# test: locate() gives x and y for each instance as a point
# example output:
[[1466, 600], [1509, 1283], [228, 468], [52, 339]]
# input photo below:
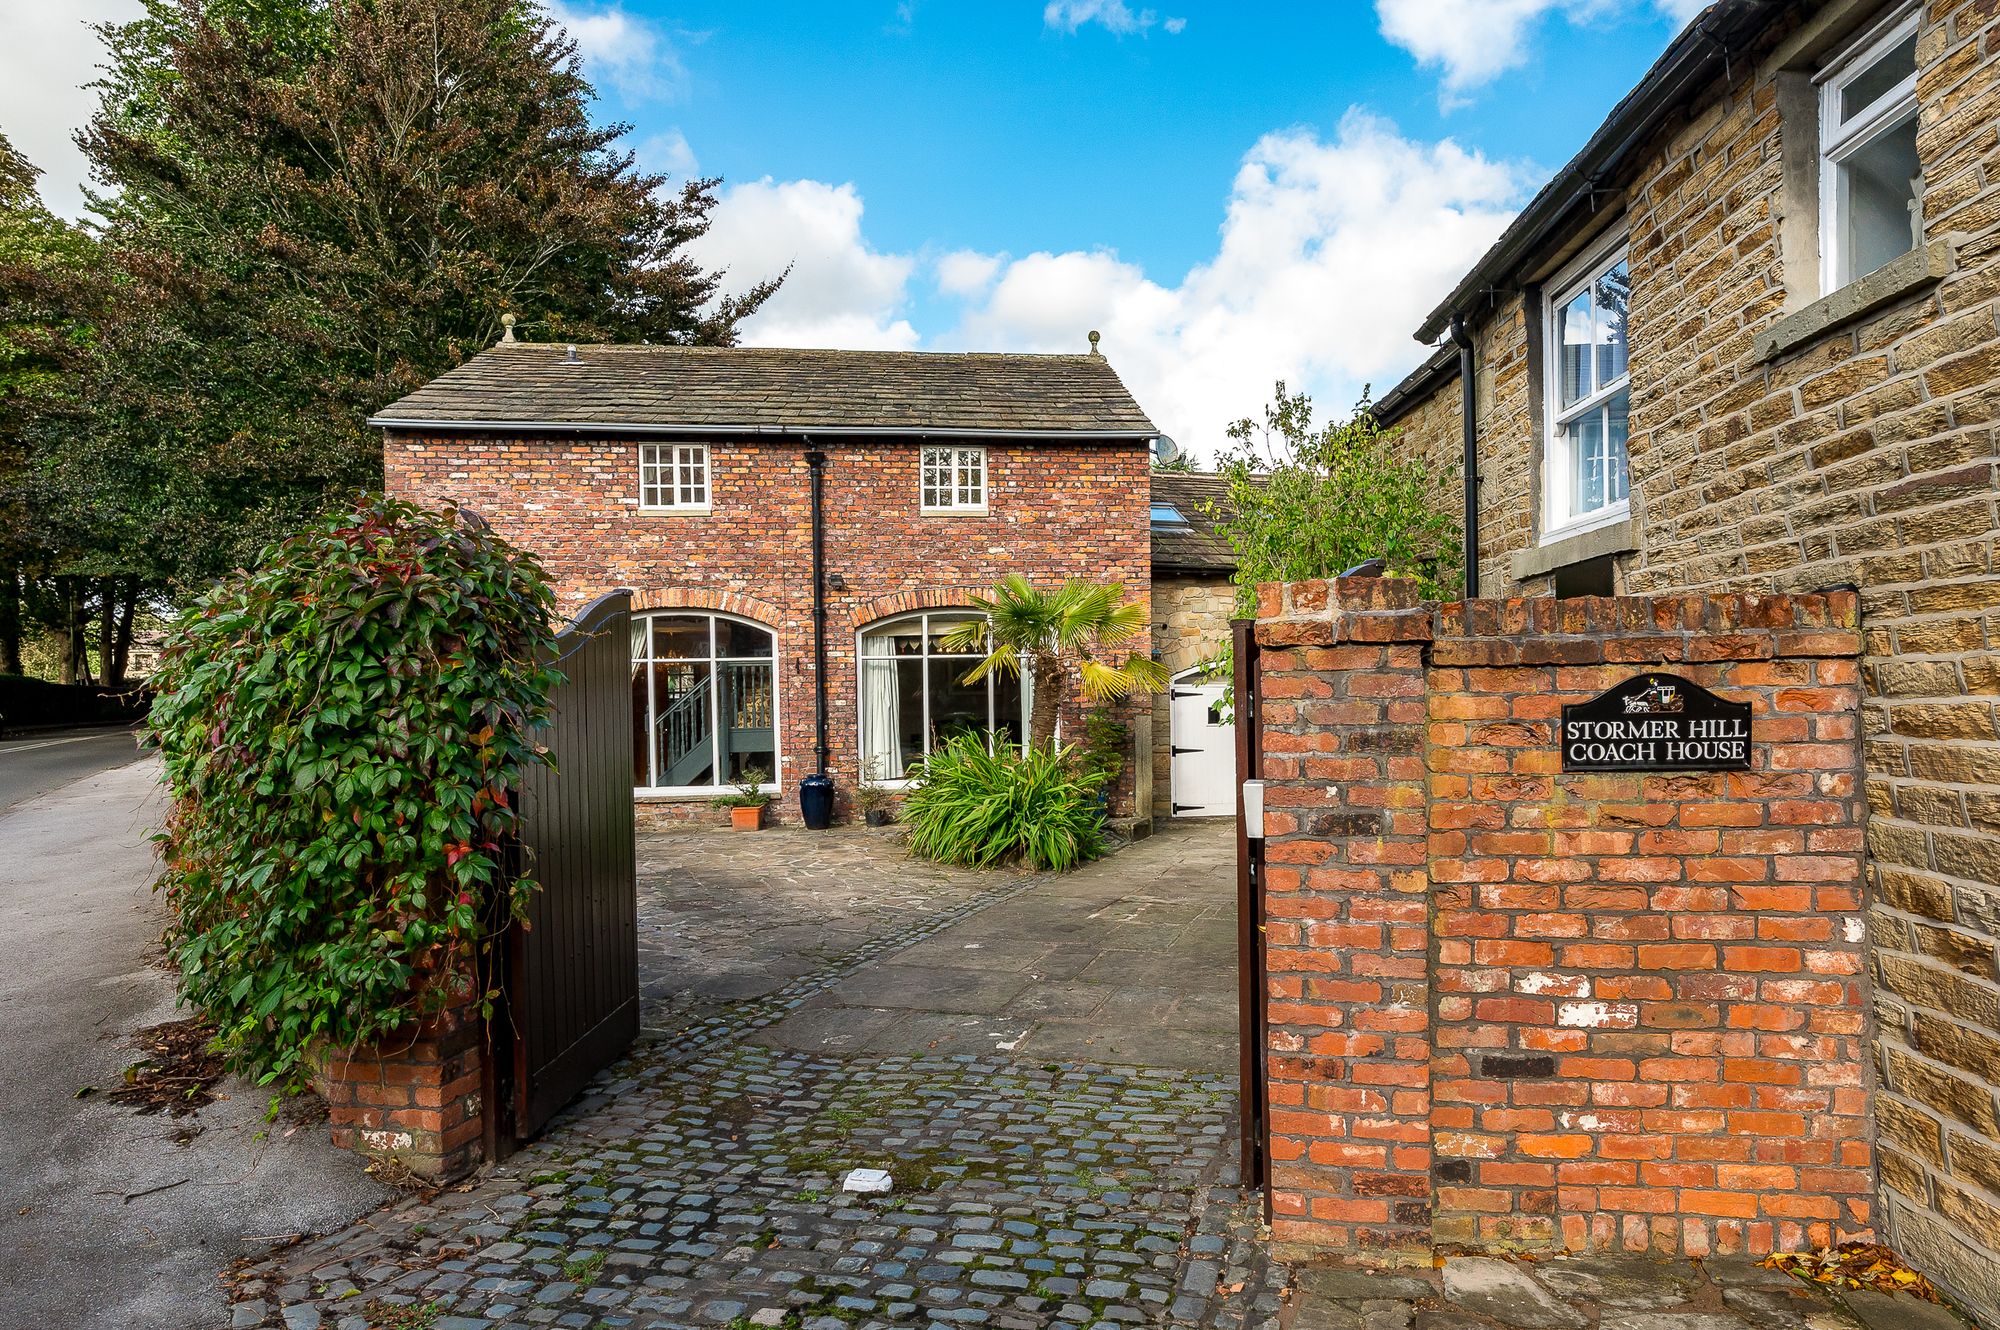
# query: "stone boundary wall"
[[1516, 1008]]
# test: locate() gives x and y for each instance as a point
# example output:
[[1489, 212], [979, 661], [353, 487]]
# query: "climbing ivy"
[[342, 727]]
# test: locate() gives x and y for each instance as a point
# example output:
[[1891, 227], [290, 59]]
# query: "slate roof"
[[1194, 547], [767, 389]]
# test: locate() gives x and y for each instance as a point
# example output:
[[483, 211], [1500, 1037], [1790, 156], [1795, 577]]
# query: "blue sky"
[[1232, 192]]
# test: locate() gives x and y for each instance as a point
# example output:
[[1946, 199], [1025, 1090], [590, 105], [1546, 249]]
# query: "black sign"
[[1656, 722]]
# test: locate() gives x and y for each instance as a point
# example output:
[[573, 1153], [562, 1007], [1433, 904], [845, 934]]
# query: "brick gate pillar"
[[1511, 1006], [1348, 1060]]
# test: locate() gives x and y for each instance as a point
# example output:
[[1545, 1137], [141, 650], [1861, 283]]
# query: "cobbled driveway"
[[1042, 1064]]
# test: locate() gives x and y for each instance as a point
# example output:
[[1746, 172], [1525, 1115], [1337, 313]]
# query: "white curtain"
[[881, 710]]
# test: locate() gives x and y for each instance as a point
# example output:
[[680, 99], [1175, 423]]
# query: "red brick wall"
[[414, 1096], [1053, 511], [1638, 1017]]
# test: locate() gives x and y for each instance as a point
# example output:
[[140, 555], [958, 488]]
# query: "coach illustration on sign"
[[1656, 722]]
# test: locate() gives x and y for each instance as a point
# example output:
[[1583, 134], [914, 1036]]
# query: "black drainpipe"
[[1468, 407], [816, 790]]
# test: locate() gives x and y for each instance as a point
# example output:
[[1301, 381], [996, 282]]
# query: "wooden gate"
[[571, 990]]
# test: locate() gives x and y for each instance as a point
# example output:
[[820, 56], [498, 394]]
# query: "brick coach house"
[[686, 474], [1746, 342]]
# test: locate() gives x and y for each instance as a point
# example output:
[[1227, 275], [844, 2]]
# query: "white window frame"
[[1838, 142], [1559, 518], [775, 785], [1021, 684], [674, 478], [954, 465]]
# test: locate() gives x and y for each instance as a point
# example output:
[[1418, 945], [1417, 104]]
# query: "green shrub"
[[342, 727], [979, 809]]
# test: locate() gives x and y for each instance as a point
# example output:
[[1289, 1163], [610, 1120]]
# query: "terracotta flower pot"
[[747, 818]]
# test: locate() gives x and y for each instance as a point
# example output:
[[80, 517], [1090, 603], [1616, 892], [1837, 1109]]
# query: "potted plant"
[[874, 797], [746, 806]]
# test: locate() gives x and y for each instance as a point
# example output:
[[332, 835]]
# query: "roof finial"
[[1093, 343], [507, 322]]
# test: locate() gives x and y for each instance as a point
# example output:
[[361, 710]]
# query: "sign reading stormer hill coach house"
[[1656, 722]]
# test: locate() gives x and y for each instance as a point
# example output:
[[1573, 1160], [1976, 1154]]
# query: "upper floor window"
[[1167, 515], [673, 475], [954, 480], [1871, 183], [1584, 477]]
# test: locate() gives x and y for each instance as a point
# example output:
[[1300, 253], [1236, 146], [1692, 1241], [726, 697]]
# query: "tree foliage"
[[317, 206], [1310, 501], [1067, 638], [342, 727]]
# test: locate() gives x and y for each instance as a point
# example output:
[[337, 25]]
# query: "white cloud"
[[1115, 15], [1473, 42], [1331, 253], [50, 54], [669, 153], [1176, 26], [840, 292], [631, 55], [966, 273]]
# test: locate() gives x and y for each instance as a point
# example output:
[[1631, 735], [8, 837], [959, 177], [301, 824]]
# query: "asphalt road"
[[41, 763], [106, 1219]]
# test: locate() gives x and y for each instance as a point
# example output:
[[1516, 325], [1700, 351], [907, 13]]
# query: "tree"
[[1065, 639], [318, 205], [1309, 502], [50, 295]]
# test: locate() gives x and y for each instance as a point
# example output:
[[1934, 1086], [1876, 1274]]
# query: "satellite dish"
[[1165, 450]]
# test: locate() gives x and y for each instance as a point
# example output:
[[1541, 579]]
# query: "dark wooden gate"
[[571, 992], [1253, 1032]]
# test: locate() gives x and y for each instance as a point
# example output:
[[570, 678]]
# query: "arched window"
[[704, 702], [913, 694]]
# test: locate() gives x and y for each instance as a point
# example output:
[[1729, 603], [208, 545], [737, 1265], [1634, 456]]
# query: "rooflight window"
[[1871, 182], [1165, 514]]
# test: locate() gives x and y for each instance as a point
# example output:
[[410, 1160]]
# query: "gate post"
[[1340, 712]]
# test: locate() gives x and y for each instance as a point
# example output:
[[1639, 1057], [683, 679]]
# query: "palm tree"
[[1066, 638]]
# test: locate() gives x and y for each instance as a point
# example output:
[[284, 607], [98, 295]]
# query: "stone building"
[[1746, 342], [688, 475]]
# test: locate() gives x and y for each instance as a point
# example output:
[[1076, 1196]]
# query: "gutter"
[[1703, 49], [757, 431]]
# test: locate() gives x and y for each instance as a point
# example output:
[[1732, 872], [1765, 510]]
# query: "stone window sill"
[[1889, 283], [1611, 538]]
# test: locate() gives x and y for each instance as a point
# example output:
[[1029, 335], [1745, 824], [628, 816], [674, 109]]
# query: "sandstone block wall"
[[1864, 456], [1516, 1008]]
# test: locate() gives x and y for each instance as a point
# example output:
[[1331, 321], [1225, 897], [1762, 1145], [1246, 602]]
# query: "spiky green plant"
[[1067, 638], [980, 808]]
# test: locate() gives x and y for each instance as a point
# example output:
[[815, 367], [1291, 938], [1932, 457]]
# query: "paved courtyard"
[[1044, 1065]]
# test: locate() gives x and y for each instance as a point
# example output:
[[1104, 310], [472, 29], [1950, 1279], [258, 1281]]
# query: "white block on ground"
[[867, 1181]]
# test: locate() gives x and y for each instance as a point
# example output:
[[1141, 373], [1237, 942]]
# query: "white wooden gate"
[[1204, 749]]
